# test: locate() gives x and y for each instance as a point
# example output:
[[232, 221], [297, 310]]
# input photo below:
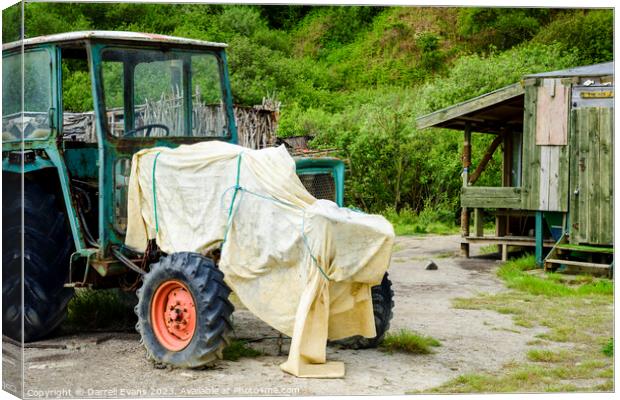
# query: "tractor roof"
[[134, 37]]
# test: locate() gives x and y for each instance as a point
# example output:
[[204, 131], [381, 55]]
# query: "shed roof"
[[488, 113], [501, 108], [602, 69], [109, 35]]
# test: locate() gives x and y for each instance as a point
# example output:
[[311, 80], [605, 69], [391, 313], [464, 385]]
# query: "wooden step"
[[579, 263], [585, 249]]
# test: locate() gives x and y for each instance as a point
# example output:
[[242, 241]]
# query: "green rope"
[[155, 194], [234, 197], [303, 235], [231, 211]]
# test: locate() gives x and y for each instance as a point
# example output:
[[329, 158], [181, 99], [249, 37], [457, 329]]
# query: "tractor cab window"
[[154, 93], [33, 120]]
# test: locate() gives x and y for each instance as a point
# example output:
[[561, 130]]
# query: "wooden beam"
[[466, 159], [486, 158], [522, 241], [496, 202], [491, 191], [579, 263]]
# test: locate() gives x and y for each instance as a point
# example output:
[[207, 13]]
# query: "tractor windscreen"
[[33, 120], [150, 93]]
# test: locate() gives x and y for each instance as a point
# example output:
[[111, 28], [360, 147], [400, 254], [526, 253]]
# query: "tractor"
[[65, 185]]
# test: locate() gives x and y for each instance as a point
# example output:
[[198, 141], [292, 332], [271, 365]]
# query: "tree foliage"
[[356, 78]]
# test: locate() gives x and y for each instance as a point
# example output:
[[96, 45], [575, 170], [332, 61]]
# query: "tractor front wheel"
[[183, 311]]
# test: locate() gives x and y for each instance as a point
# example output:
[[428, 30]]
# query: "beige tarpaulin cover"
[[281, 244]]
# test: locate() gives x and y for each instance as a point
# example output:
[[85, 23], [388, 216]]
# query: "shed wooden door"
[[591, 177]]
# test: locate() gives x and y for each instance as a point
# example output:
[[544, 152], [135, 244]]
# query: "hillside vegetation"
[[357, 77]]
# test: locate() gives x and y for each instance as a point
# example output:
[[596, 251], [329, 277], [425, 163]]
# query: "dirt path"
[[113, 364]]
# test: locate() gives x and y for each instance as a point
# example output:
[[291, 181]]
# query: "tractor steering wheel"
[[149, 128]]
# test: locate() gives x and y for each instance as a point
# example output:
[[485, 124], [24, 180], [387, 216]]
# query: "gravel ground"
[[113, 364]]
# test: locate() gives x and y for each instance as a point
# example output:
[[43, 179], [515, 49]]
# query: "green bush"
[[501, 28], [429, 221], [588, 32], [432, 57], [474, 75]]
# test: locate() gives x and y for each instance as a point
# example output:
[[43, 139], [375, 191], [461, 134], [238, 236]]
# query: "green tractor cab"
[[70, 179]]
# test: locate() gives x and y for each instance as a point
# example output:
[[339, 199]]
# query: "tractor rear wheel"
[[382, 304], [183, 311], [47, 246]]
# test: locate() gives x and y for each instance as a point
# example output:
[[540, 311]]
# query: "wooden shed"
[[555, 131]]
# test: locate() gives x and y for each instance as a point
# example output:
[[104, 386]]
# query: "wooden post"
[[465, 249], [478, 223], [507, 159], [539, 238], [466, 159], [466, 154], [504, 252], [502, 222]]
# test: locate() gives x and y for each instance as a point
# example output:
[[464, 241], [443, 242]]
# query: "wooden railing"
[[490, 197]]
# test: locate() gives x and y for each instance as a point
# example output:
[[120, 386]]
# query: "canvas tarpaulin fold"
[[302, 265]]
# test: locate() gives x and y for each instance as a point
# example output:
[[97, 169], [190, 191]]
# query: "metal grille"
[[321, 186]]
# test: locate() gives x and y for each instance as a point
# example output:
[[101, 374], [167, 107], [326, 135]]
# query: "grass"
[[492, 248], [577, 313], [488, 249], [527, 378], [99, 309], [608, 348], [544, 355], [397, 247], [411, 229], [407, 223], [512, 272], [239, 349], [407, 341]]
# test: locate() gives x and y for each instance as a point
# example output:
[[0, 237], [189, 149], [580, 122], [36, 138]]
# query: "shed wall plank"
[[583, 123], [575, 125], [550, 188], [607, 178], [592, 208], [593, 169], [553, 182], [545, 155], [552, 113], [563, 178], [531, 153], [606, 183]]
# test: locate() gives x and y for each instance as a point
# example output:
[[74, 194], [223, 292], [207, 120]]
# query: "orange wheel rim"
[[173, 315]]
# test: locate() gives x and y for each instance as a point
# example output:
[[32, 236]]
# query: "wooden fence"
[[256, 126]]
